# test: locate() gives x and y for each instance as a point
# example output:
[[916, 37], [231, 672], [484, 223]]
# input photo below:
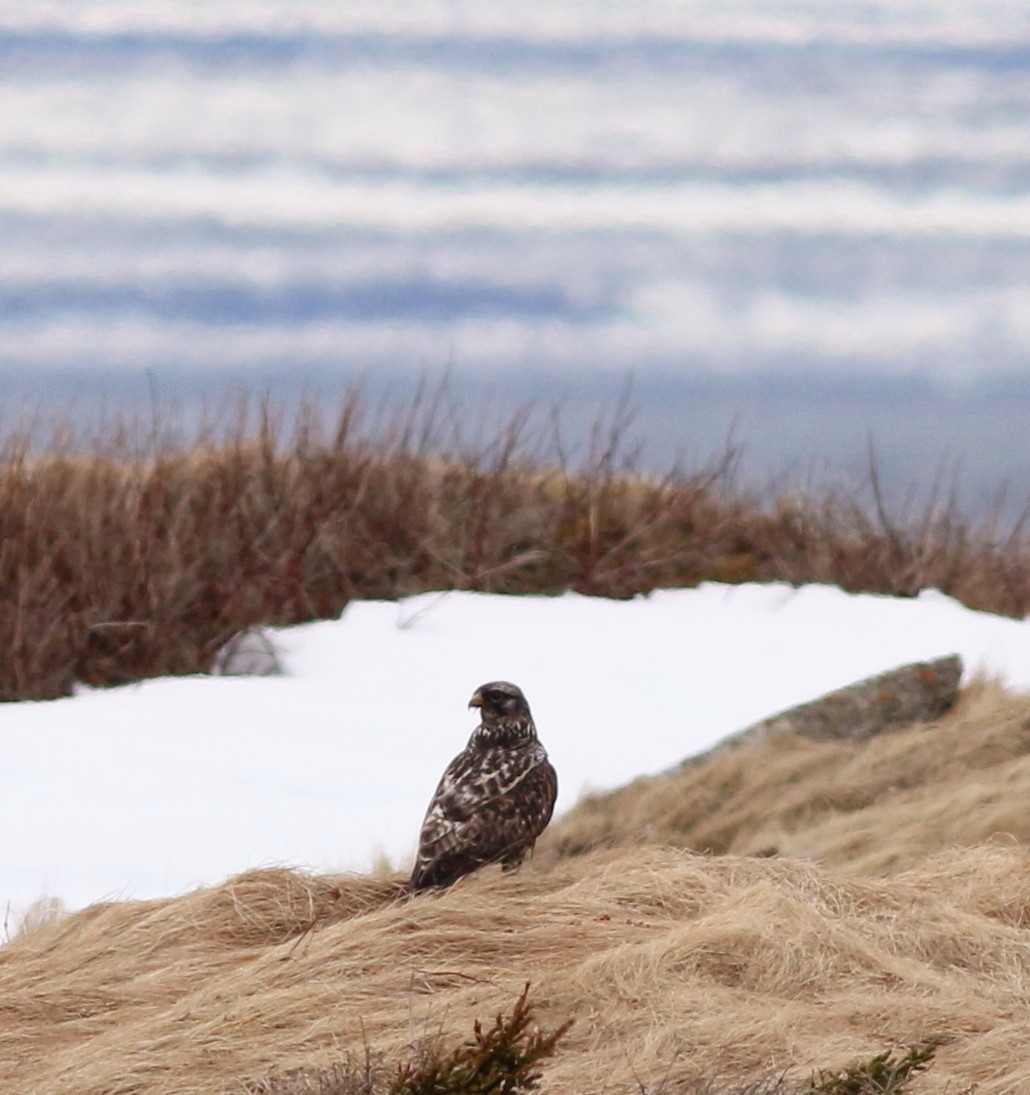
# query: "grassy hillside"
[[873, 809], [854, 899], [136, 555]]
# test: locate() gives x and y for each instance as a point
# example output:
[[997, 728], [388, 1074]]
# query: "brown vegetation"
[[497, 1060], [874, 808], [677, 969], [899, 921], [123, 559]]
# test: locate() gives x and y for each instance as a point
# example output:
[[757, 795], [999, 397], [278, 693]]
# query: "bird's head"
[[500, 700]]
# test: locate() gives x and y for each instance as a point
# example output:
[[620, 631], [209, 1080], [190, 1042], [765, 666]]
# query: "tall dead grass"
[[136, 555]]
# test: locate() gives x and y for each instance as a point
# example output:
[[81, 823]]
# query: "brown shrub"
[[122, 559]]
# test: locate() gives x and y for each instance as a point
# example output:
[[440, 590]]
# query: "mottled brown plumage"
[[494, 799]]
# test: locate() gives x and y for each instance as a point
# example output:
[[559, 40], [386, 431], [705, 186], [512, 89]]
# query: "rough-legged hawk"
[[494, 799]]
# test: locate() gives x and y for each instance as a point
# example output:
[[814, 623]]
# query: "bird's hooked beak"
[[477, 699]]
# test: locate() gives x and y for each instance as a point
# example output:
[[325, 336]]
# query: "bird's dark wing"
[[490, 805]]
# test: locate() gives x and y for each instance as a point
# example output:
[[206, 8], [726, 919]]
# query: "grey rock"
[[919, 692], [249, 653]]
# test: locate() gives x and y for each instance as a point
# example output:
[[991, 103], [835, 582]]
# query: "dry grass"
[[126, 557], [684, 973], [872, 808], [677, 968]]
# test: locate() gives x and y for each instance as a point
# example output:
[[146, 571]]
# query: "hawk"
[[494, 799]]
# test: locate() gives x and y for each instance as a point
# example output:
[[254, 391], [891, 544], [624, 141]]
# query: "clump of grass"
[[499, 1060], [887, 1073], [122, 559], [505, 1060], [502, 1059]]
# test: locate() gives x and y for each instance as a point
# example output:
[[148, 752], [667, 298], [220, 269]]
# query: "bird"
[[494, 799]]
